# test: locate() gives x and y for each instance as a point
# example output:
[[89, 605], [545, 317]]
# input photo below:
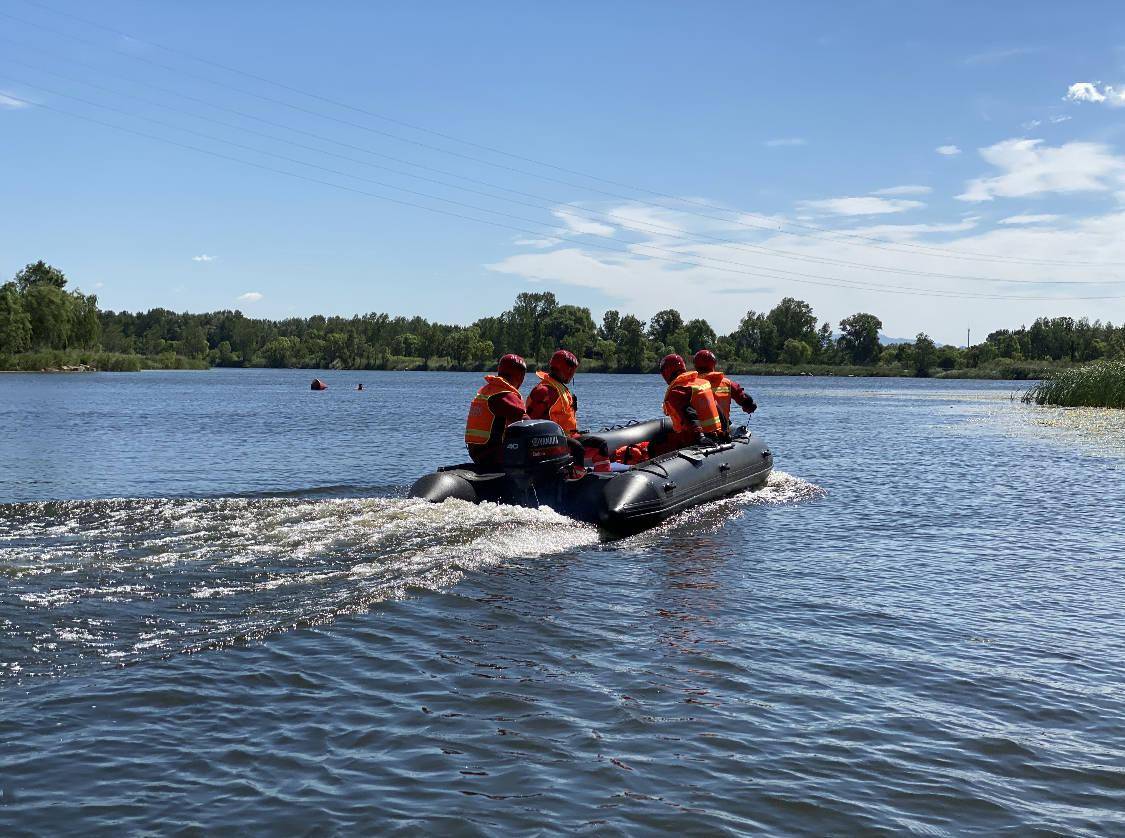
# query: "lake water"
[[218, 612]]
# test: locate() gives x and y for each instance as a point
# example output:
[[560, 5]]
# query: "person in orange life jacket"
[[690, 404], [724, 389], [495, 406], [551, 399]]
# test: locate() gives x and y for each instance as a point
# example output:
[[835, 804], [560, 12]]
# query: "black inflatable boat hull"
[[641, 497]]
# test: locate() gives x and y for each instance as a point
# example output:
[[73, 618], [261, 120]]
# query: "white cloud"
[[755, 268], [203, 257], [11, 103], [861, 205], [948, 150], [1030, 124], [907, 189], [1030, 168], [1040, 218], [580, 225], [1096, 92], [1055, 120], [250, 297], [99, 285], [783, 142]]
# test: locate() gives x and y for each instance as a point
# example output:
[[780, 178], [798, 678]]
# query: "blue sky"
[[739, 152]]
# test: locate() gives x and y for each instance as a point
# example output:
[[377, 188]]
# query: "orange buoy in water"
[[317, 384]]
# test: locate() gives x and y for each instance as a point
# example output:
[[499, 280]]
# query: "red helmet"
[[563, 364], [705, 360], [671, 366], [513, 368]]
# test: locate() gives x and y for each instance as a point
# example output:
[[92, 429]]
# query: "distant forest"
[[42, 324]]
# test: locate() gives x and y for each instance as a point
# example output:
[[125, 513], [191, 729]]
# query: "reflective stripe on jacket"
[[702, 401], [562, 411], [720, 387], [478, 426]]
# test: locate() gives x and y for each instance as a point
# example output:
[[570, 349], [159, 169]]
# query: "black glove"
[[751, 407], [574, 398]]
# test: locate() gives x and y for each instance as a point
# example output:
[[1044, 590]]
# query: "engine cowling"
[[536, 449]]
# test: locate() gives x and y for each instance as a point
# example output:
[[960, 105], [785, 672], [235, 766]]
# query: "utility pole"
[[968, 337]]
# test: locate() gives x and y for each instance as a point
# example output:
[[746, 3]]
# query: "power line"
[[551, 204], [882, 244], [835, 283]]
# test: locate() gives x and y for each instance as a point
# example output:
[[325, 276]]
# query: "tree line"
[[38, 313]]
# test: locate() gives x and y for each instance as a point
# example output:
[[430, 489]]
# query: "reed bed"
[[1101, 384]]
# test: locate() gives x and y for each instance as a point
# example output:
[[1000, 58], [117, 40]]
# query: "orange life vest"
[[562, 411], [702, 399], [478, 427], [720, 387]]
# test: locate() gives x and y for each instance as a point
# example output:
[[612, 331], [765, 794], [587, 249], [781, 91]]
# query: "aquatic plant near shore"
[[1101, 384]]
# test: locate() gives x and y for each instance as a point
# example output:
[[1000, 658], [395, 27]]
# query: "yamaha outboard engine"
[[535, 454]]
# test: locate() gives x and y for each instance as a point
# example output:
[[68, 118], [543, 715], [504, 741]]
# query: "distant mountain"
[[886, 341]]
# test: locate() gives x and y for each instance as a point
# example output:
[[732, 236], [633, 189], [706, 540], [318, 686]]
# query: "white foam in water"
[[258, 565]]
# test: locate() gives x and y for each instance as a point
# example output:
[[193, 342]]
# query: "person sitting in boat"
[[724, 389], [690, 404], [551, 399], [495, 406]]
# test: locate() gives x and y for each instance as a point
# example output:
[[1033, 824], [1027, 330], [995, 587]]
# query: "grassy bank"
[[53, 360], [1002, 369], [1096, 385]]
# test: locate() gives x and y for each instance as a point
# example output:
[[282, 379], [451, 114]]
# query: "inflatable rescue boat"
[[627, 498]]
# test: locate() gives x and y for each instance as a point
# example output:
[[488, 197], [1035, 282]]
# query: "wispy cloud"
[[906, 189], [783, 142], [11, 103], [860, 205], [948, 150], [1055, 120], [1030, 168], [249, 297], [994, 56], [1041, 218], [1030, 124], [584, 226], [719, 280], [1097, 93], [203, 257]]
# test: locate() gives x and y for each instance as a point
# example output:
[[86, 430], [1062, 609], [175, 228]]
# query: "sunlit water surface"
[[218, 610]]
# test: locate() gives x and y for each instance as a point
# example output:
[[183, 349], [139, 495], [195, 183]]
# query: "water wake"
[[113, 581]]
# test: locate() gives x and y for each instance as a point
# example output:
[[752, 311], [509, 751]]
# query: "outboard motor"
[[535, 454]]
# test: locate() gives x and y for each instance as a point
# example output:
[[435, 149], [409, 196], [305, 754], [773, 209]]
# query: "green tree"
[[152, 343], [925, 355], [796, 352], [631, 344], [281, 352], [700, 335], [570, 327], [86, 327], [526, 322], [859, 340], [50, 309], [663, 325], [824, 350], [40, 273], [15, 323], [607, 351], [610, 321], [756, 338], [194, 342], [793, 319]]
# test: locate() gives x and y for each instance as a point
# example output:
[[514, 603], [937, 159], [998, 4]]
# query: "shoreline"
[[772, 372]]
